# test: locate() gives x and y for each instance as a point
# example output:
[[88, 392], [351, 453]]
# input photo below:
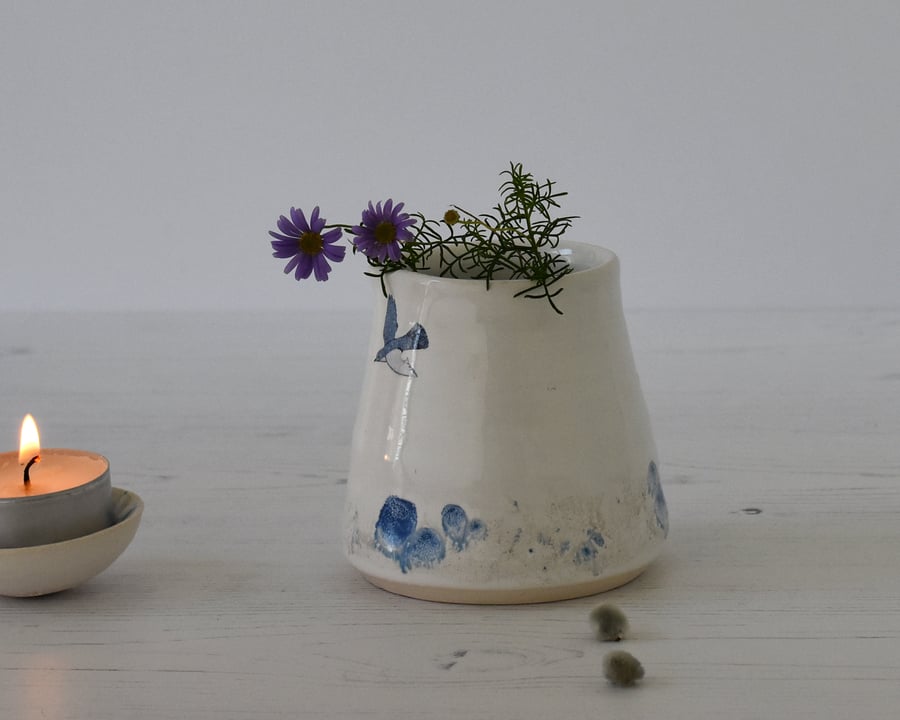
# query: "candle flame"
[[29, 441]]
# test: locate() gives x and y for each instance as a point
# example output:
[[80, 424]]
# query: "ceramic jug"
[[502, 452]]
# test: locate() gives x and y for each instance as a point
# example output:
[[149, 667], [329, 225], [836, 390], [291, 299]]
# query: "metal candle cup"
[[68, 496]]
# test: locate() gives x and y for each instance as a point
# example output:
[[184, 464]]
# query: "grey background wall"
[[734, 154]]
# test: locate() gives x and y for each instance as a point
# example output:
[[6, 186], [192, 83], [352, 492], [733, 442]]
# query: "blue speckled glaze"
[[654, 488], [456, 525], [589, 550], [424, 549], [396, 522], [396, 535], [585, 552], [477, 530]]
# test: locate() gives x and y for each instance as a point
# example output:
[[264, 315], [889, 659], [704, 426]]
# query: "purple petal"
[[394, 251], [283, 238], [364, 243], [315, 222], [281, 246], [322, 268], [292, 264], [304, 266], [287, 227], [388, 206], [331, 236], [299, 220], [334, 252]]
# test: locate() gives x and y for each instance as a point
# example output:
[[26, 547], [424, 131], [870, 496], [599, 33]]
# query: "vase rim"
[[589, 258]]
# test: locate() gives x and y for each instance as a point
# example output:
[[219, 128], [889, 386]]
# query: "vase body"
[[502, 452]]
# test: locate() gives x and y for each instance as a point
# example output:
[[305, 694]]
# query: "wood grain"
[[777, 595]]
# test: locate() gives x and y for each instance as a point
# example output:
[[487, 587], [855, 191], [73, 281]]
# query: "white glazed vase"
[[502, 453]]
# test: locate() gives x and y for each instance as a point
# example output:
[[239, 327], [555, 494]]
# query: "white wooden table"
[[778, 595]]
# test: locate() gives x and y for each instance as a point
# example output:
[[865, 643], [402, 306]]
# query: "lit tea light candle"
[[51, 495]]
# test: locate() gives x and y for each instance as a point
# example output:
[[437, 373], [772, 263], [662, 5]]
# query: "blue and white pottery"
[[502, 453]]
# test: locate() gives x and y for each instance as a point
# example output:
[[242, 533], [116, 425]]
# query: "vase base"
[[505, 596]]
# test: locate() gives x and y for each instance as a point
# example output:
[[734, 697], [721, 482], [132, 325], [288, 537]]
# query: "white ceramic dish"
[[45, 569]]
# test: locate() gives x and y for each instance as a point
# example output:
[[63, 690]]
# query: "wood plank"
[[777, 595]]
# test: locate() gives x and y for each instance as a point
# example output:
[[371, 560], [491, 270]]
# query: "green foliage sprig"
[[517, 240]]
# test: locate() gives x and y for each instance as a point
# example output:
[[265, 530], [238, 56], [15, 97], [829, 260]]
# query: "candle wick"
[[35, 459]]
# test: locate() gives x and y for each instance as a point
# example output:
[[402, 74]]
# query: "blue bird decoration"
[[394, 351]]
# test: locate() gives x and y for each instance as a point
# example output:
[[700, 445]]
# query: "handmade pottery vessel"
[[502, 452]]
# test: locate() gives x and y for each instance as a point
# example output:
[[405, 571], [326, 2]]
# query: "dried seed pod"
[[609, 622], [622, 668]]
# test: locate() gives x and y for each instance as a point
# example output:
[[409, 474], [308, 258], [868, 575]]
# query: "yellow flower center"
[[310, 243], [385, 233]]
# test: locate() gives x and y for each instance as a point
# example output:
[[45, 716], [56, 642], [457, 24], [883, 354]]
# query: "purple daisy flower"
[[381, 231], [308, 248]]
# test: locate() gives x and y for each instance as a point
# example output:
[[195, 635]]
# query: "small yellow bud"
[[451, 217]]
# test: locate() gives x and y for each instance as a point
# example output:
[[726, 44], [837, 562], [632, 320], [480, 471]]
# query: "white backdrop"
[[732, 154]]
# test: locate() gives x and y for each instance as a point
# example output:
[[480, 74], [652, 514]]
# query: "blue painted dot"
[[456, 525], [424, 549], [396, 522], [585, 553], [654, 487], [596, 537], [477, 529]]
